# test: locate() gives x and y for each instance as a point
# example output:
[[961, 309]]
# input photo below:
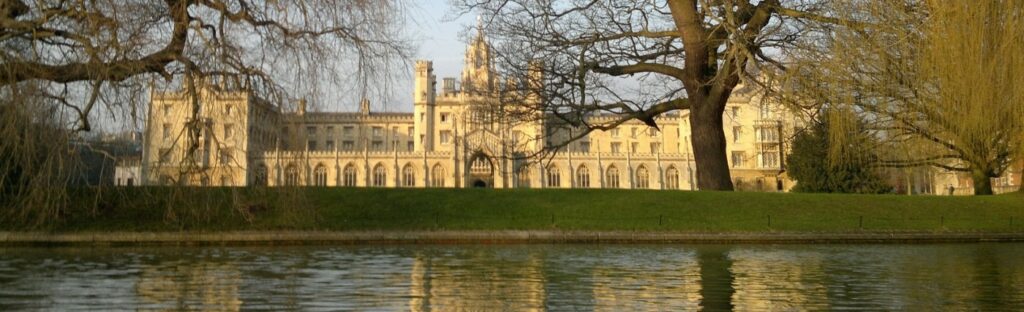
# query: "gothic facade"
[[447, 141]]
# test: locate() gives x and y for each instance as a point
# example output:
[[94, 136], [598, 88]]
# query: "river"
[[516, 277]]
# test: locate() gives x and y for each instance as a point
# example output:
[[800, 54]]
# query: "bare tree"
[[68, 60], [938, 82], [684, 54]]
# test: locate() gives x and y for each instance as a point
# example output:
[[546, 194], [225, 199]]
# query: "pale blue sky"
[[440, 38]]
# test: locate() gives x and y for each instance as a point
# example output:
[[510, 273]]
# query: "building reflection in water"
[[200, 285], [773, 280], [475, 279], [522, 278]]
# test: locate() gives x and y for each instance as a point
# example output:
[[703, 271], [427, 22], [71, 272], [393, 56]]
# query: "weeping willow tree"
[[938, 83]]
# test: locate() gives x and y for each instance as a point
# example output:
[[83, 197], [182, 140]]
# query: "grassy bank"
[[340, 209]]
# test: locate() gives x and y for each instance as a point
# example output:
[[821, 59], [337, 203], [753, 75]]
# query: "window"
[[291, 176], [377, 131], [655, 148], [768, 135], [737, 159], [165, 155], [167, 110], [311, 145], [167, 131], [411, 131], [349, 176], [225, 181], [409, 146], [225, 157], [131, 182], [652, 132], [408, 176], [228, 109], [444, 117], [348, 145], [642, 177], [766, 112], [770, 159], [583, 177], [380, 175], [320, 176], [377, 145], [585, 147], [347, 130], [615, 132], [229, 131], [612, 177], [330, 145], [260, 178], [524, 177], [616, 147], [437, 176], [736, 131], [632, 132], [446, 136], [554, 177], [634, 147], [672, 178], [735, 112], [311, 130]]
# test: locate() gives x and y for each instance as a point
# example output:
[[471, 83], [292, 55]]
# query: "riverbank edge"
[[486, 237]]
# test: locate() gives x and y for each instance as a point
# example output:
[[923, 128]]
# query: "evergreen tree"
[[810, 164]]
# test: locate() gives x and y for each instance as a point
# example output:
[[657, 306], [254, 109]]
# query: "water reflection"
[[520, 278]]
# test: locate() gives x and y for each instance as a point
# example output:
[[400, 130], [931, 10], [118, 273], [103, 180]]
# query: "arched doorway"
[[481, 170]]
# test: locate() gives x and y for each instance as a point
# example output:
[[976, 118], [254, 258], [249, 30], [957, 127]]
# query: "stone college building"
[[450, 139]]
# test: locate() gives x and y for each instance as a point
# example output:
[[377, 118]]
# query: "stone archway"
[[481, 171]]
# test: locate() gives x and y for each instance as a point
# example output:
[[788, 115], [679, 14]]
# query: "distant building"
[[452, 138], [128, 171]]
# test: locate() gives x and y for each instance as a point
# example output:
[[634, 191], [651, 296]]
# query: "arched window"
[[642, 177], [260, 177], [583, 177], [611, 177], [349, 176], [380, 175], [320, 176], [437, 176], [524, 177], [291, 176], [554, 177], [408, 176], [672, 178]]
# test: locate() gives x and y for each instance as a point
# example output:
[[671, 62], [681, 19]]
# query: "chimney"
[[449, 85]]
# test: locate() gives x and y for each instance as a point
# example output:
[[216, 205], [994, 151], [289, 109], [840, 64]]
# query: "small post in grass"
[[660, 217]]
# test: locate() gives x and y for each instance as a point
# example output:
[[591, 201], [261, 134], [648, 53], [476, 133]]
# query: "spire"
[[364, 106], [477, 73]]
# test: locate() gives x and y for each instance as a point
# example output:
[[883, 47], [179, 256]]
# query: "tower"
[[478, 72], [423, 106]]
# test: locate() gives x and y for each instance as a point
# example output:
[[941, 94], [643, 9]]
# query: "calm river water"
[[517, 277]]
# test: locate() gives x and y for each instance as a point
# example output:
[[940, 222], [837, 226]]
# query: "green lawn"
[[343, 209]]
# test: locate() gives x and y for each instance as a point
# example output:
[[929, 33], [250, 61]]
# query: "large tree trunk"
[[982, 182], [709, 146]]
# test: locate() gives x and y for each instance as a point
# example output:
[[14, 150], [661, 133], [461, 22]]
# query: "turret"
[[423, 106]]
